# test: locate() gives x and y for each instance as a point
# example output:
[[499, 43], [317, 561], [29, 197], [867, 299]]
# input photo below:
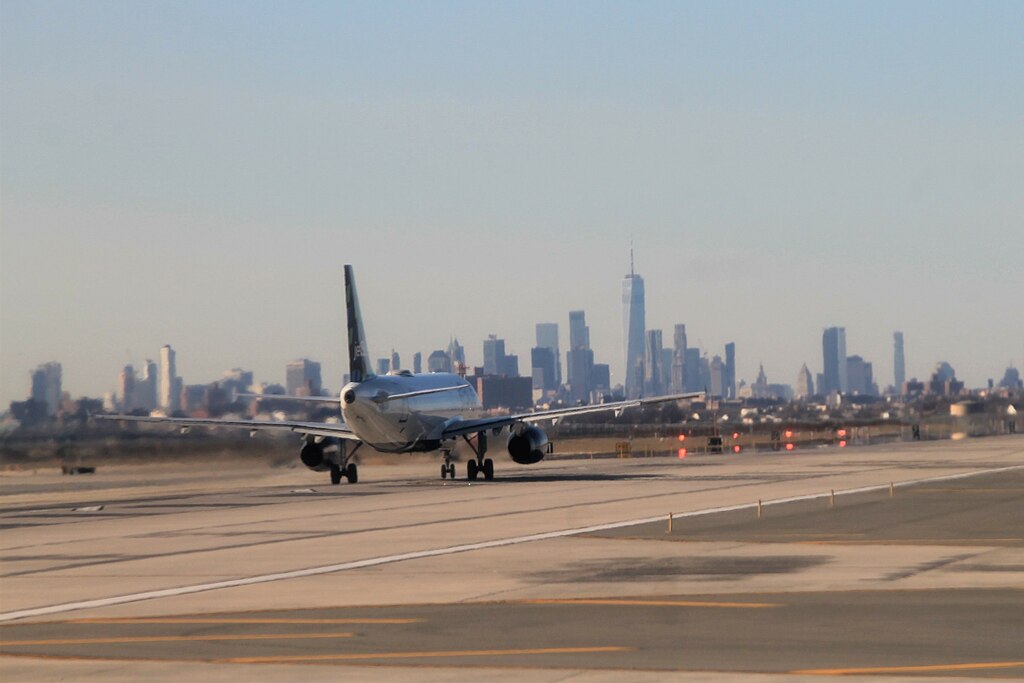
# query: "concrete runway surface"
[[914, 568]]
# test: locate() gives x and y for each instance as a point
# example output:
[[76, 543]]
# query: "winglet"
[[358, 353]]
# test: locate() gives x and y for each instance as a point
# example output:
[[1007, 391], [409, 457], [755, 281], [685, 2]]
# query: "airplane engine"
[[527, 446], [312, 456]]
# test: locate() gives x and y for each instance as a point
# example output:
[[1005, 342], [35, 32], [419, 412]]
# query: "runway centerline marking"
[[969, 666], [651, 603], [219, 620], [451, 550], [354, 656], [170, 639]]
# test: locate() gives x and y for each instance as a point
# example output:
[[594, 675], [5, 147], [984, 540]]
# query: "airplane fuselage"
[[410, 424]]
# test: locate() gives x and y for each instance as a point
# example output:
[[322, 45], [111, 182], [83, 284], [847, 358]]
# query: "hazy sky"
[[197, 174]]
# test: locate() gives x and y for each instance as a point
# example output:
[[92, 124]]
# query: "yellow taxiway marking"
[[419, 655], [911, 669], [653, 603], [170, 639], [225, 620]]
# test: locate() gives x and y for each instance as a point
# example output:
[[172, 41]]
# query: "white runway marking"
[[451, 550]]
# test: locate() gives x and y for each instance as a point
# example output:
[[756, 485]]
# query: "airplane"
[[402, 412]]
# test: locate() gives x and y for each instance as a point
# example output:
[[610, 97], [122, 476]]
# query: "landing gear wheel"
[[451, 470], [444, 471], [488, 469], [335, 473], [351, 473], [471, 469]]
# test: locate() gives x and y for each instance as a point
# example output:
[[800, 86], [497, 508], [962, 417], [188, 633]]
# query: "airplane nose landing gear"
[[447, 467]]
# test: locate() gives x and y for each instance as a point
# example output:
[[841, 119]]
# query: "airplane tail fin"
[[358, 353]]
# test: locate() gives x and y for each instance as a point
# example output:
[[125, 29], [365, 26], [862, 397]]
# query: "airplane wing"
[[324, 429], [461, 427], [302, 399]]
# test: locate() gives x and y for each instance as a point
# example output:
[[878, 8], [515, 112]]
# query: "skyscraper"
[[678, 384], [730, 370], [898, 362], [46, 386], [634, 324], [547, 337], [579, 333], [833, 349], [652, 364], [717, 368], [126, 387], [146, 388], [804, 382], [170, 385], [542, 368], [494, 355], [579, 359], [396, 360], [417, 362], [302, 378]]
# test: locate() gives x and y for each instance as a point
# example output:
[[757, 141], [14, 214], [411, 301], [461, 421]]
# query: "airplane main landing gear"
[[479, 465], [344, 468], [447, 467]]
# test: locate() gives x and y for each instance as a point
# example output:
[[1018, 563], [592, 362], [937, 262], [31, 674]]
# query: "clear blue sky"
[[197, 173]]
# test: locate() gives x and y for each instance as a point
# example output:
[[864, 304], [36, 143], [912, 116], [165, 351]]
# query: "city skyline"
[[191, 177]]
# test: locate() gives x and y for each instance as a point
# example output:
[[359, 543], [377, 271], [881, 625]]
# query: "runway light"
[[789, 433], [842, 444], [735, 435], [682, 437], [682, 453], [789, 446], [841, 432], [736, 448]]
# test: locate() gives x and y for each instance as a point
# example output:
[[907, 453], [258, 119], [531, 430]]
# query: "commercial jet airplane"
[[404, 413]]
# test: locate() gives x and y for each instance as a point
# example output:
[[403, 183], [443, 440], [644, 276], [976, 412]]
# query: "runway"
[[897, 560]]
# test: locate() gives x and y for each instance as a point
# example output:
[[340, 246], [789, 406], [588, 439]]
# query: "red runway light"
[[682, 453], [789, 434], [736, 448], [682, 437], [841, 432], [735, 435], [789, 447], [842, 444]]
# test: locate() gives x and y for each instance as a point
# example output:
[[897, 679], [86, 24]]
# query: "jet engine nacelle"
[[312, 456], [527, 446]]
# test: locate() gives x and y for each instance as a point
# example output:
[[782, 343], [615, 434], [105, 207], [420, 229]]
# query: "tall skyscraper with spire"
[[634, 324]]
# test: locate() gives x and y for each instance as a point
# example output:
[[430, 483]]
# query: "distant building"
[[147, 388], [302, 378], [580, 358], [236, 381], [494, 355], [898, 361], [126, 388], [496, 391], [691, 374], [456, 355], [1011, 379], [383, 366], [634, 324], [46, 386], [601, 379], [417, 362], [547, 337], [833, 347], [944, 381], [678, 369], [717, 369], [730, 370], [170, 383], [542, 368], [804, 383], [859, 376], [652, 364], [396, 360], [439, 361]]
